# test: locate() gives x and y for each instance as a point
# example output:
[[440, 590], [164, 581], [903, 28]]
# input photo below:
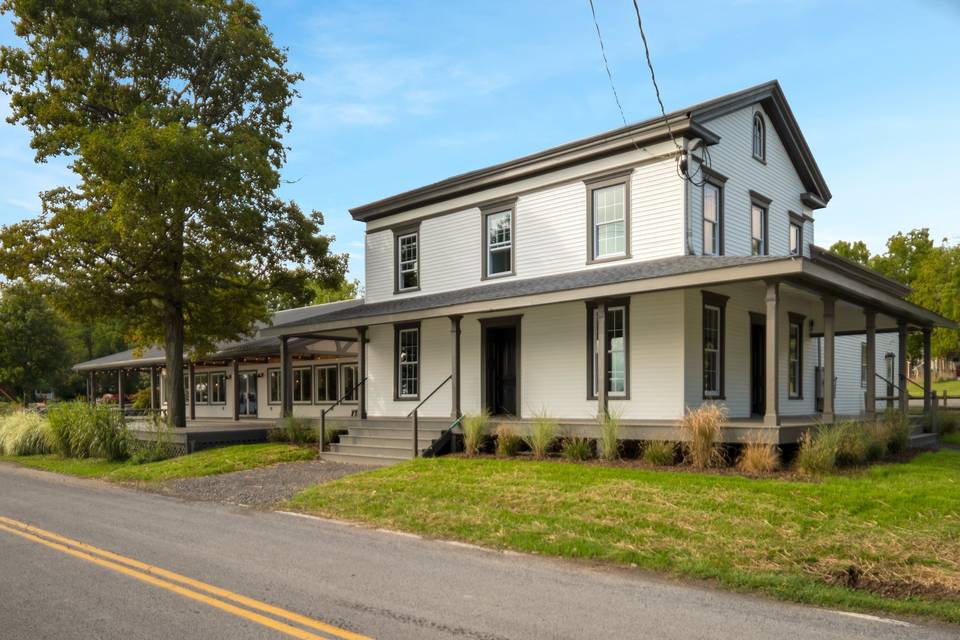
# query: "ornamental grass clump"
[[898, 431], [816, 455], [577, 448], [701, 429], [508, 442], [758, 457], [660, 453], [24, 433], [609, 436], [543, 434], [80, 430], [474, 431], [295, 431]]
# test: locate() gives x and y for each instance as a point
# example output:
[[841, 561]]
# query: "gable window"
[[327, 384], [498, 242], [712, 219], [407, 355], [302, 385], [349, 380], [201, 388], [795, 356], [273, 381], [714, 328], [759, 137], [608, 218], [796, 241], [615, 342], [408, 261], [218, 388]]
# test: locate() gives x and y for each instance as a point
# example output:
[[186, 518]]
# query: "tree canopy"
[[32, 349], [172, 114], [931, 270]]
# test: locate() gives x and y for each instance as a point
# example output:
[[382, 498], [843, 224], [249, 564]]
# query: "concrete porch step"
[[361, 459], [390, 441], [922, 440], [376, 449], [383, 432]]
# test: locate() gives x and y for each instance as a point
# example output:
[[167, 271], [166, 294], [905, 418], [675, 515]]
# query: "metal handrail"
[[453, 425], [416, 420], [323, 414], [907, 378], [435, 389]]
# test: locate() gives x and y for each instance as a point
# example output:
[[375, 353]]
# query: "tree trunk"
[[173, 348]]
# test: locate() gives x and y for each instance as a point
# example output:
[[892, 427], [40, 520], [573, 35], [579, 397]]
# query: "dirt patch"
[[924, 584], [262, 488]]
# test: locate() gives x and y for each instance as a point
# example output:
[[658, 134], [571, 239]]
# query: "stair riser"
[[387, 452], [386, 442], [432, 434], [921, 441], [370, 461], [392, 423]]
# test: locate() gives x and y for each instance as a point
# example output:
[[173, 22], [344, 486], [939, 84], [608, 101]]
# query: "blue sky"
[[399, 94]]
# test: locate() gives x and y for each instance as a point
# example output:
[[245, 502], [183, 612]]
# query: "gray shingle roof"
[[530, 286]]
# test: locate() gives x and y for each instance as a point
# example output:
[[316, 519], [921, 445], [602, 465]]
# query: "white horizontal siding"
[[777, 180], [850, 393]]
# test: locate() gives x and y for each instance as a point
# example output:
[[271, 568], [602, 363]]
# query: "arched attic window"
[[759, 137]]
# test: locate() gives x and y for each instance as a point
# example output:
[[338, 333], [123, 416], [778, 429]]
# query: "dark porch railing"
[[323, 414], [416, 420]]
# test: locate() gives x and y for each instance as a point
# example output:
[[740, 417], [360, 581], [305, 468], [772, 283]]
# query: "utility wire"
[[606, 64], [653, 76]]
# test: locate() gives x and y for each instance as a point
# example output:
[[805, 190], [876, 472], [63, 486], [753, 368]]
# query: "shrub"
[[474, 431], [141, 399], [897, 430], [24, 433], [877, 436], [759, 457], [158, 447], [577, 448], [543, 433], [659, 452], [508, 442], [701, 428], [609, 436], [850, 442], [815, 457], [293, 430], [949, 421], [80, 430]]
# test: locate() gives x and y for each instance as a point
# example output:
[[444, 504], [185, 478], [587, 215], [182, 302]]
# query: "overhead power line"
[[653, 75], [606, 64]]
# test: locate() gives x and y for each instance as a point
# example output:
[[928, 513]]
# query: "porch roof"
[[822, 272]]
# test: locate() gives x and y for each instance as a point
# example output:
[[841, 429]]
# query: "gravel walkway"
[[263, 488]]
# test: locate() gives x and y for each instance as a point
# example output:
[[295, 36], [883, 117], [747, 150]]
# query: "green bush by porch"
[[893, 529]]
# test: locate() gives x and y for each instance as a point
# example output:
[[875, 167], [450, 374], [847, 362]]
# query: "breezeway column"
[[120, 389], [236, 390], [91, 388], [286, 378], [870, 401], [904, 365], [362, 366], [771, 384], [192, 391], [828, 350], [153, 389], [455, 366], [927, 374]]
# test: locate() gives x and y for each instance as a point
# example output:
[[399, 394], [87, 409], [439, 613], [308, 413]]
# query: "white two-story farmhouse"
[[643, 271]]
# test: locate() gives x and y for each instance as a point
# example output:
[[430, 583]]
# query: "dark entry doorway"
[[501, 365], [758, 364]]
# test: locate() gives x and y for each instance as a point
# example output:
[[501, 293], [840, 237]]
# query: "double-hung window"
[[609, 218], [498, 242], [714, 309], [349, 380], [795, 356], [796, 242], [201, 388], [613, 341], [326, 378], [407, 362], [711, 219], [408, 261], [759, 224], [273, 380], [218, 388], [302, 386]]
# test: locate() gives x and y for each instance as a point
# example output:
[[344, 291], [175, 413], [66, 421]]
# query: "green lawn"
[[202, 463], [951, 438], [896, 526], [952, 387]]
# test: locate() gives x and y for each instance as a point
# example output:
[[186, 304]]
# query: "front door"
[[758, 363], [247, 394], [501, 368]]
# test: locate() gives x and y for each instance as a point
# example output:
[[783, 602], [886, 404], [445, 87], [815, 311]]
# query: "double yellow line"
[[196, 590]]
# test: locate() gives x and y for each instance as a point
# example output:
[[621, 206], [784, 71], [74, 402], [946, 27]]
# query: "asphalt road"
[[344, 579]]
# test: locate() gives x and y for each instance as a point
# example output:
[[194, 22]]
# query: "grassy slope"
[[898, 523], [952, 387], [203, 463]]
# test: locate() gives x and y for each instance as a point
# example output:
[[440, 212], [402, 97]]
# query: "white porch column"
[[771, 384], [828, 364], [870, 400], [904, 366], [927, 374]]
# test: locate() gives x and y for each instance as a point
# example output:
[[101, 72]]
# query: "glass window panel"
[[407, 261], [302, 382], [273, 377], [758, 224], [711, 350], [350, 380], [711, 219], [327, 384], [499, 243], [409, 362], [615, 343], [795, 239], [609, 223], [218, 391]]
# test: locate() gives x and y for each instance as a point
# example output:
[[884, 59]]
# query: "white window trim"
[[223, 376], [599, 342], [342, 381], [716, 222], [412, 266], [491, 247], [316, 383], [400, 363]]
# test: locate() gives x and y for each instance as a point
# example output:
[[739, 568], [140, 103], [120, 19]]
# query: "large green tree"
[[172, 114], [931, 270], [32, 348]]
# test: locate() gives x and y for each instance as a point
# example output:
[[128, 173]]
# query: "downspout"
[[687, 207]]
